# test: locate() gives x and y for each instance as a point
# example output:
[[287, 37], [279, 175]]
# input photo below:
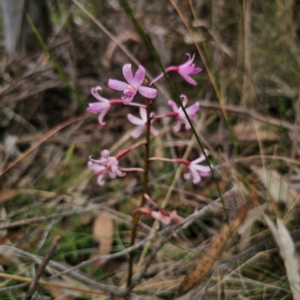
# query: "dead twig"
[[41, 268]]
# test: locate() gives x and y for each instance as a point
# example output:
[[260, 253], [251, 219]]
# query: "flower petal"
[[120, 173], [139, 76], [96, 168], [147, 92], [154, 131], [137, 132], [97, 107], [199, 159], [112, 175], [184, 100], [143, 114], [176, 128], [100, 180], [191, 110], [127, 72], [157, 215], [187, 124], [94, 92], [195, 175], [105, 153], [117, 85], [135, 120], [127, 100], [202, 170], [187, 176], [102, 115], [173, 105], [188, 79]]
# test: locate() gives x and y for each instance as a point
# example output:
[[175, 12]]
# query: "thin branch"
[[41, 268]]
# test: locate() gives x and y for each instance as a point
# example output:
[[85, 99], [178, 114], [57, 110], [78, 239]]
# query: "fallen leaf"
[[245, 131], [103, 229], [7, 194]]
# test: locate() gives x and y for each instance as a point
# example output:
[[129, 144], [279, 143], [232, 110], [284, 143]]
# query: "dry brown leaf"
[[103, 229], [245, 131], [288, 254], [7, 194], [213, 251]]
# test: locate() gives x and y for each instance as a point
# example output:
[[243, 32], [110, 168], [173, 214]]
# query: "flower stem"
[[145, 190]]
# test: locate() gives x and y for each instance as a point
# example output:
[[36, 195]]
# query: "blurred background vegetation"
[[249, 121]]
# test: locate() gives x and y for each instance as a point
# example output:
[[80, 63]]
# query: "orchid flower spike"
[[185, 70], [188, 68], [179, 113], [133, 84], [105, 165], [141, 123], [110, 164], [162, 215]]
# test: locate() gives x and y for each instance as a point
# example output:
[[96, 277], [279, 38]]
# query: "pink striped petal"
[[188, 79], [147, 92], [128, 74], [135, 120], [139, 76], [173, 105], [137, 132], [143, 114], [117, 85], [193, 109]]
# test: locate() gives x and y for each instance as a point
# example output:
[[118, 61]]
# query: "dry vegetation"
[[242, 225]]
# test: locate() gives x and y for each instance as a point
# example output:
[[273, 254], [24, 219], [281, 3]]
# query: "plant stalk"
[[145, 190]]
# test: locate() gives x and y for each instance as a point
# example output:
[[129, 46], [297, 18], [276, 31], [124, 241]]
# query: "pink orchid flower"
[[185, 70], [105, 165], [104, 105], [179, 114], [162, 215], [133, 84], [195, 169], [141, 123], [110, 164]]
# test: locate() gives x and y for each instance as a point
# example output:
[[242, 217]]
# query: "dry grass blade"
[[276, 185], [288, 254], [213, 251]]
